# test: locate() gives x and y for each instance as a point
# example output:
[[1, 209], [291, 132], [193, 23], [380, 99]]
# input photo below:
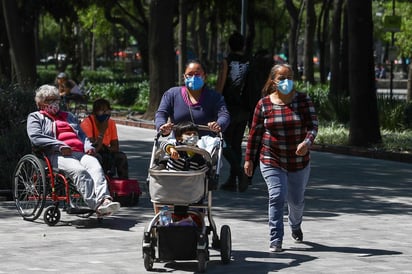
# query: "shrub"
[[394, 114], [332, 133], [142, 101], [14, 143]]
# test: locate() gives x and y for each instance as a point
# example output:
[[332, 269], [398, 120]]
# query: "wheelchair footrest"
[[75, 210]]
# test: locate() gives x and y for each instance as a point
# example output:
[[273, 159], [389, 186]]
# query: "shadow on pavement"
[[362, 252], [342, 184]]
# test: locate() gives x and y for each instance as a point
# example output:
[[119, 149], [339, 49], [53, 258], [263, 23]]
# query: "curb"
[[404, 157], [135, 123]]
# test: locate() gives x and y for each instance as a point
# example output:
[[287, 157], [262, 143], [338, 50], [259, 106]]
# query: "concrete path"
[[357, 220]]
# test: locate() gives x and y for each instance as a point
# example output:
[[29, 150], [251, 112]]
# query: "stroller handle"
[[195, 149], [200, 127]]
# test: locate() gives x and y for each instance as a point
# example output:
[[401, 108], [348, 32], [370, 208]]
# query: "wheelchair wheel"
[[29, 187], [52, 215]]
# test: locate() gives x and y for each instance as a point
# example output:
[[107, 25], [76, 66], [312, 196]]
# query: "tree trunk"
[[323, 41], [93, 48], [212, 49], [409, 90], [161, 52], [344, 69], [251, 33], [202, 34], [310, 28], [5, 62], [294, 23], [335, 51], [182, 40], [22, 49], [364, 122]]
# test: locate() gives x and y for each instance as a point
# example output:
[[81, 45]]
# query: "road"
[[357, 220]]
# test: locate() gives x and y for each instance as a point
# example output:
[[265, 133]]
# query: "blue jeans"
[[284, 187]]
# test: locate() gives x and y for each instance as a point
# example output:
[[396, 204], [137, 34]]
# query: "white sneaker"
[[275, 249], [108, 208]]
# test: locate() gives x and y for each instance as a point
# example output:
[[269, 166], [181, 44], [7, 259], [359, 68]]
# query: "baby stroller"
[[186, 197]]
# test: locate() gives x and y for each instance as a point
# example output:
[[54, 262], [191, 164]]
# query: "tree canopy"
[[300, 32]]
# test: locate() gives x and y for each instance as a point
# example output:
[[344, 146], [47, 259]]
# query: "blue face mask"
[[285, 86], [194, 82], [103, 117]]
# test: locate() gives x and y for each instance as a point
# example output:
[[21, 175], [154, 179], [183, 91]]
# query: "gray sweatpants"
[[87, 175]]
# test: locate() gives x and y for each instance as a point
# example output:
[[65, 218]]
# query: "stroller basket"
[[177, 187]]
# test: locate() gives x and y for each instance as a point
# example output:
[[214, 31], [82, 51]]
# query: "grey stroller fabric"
[[177, 187]]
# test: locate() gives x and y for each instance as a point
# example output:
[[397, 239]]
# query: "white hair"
[[45, 91]]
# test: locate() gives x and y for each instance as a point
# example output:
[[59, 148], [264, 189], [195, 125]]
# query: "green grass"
[[338, 134]]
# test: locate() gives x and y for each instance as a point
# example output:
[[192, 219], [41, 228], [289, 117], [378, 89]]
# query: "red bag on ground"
[[125, 191]]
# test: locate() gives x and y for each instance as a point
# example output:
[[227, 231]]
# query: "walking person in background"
[[231, 83], [285, 126], [259, 69]]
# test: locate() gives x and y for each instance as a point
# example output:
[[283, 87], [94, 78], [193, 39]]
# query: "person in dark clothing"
[[231, 83], [259, 68]]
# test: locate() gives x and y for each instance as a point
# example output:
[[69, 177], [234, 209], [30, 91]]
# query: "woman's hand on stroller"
[[214, 126], [166, 128]]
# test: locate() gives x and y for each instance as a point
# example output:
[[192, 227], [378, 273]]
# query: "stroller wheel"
[[225, 244], [202, 261], [148, 260]]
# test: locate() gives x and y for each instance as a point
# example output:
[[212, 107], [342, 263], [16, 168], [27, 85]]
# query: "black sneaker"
[[230, 184], [243, 183], [228, 187], [297, 235]]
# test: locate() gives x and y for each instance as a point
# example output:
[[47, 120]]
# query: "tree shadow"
[[344, 184], [362, 252], [257, 262]]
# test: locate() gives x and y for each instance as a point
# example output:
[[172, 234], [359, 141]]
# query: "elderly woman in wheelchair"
[[59, 136]]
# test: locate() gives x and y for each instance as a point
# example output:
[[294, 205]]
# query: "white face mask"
[[190, 140]]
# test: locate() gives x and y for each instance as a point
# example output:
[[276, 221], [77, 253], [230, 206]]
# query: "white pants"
[[87, 175]]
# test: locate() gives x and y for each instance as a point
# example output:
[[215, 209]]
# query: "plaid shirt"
[[279, 129]]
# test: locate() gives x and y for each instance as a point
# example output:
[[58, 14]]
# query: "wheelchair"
[[37, 186]]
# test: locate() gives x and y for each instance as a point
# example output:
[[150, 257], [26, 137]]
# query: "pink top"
[[64, 132]]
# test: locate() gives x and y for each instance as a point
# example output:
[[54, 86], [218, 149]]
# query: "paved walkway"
[[357, 220]]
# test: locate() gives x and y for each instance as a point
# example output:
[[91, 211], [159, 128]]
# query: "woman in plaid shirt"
[[284, 125]]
